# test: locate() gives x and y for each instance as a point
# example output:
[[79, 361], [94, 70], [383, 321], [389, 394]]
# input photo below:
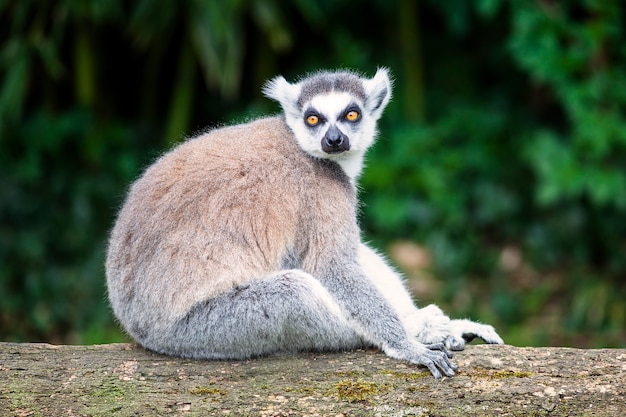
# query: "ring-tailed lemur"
[[244, 241]]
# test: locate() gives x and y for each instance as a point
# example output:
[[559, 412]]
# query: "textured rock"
[[125, 380]]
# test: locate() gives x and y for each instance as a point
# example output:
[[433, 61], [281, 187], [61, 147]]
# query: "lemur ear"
[[282, 91], [378, 90]]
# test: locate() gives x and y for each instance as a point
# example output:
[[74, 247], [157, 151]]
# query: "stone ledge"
[[126, 380]]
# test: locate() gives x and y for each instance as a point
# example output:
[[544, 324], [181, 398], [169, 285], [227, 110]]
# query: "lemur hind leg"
[[429, 325], [288, 311]]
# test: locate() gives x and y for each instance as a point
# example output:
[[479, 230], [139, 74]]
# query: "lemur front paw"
[[434, 356]]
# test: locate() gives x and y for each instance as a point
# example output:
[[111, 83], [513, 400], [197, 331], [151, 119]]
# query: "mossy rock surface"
[[126, 380]]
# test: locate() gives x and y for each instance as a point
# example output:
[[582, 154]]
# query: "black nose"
[[334, 141]]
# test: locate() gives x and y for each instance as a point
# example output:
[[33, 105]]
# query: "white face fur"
[[333, 114]]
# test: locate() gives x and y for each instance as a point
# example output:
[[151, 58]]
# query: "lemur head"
[[333, 114]]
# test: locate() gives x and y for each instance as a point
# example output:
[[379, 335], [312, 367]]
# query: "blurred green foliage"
[[503, 153]]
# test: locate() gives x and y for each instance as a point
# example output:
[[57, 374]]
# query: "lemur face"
[[333, 114], [332, 124]]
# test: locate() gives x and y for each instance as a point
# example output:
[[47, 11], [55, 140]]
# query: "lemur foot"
[[430, 326], [462, 331]]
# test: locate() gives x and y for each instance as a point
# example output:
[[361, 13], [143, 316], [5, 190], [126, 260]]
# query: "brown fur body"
[[218, 212]]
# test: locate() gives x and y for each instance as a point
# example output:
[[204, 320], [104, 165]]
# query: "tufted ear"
[[378, 90], [284, 92]]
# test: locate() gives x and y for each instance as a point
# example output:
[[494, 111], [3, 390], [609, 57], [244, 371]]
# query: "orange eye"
[[312, 120], [352, 115]]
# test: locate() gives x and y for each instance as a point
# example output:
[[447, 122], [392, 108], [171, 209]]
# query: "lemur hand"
[[435, 357]]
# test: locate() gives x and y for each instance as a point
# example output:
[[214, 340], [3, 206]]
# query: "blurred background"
[[498, 183]]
